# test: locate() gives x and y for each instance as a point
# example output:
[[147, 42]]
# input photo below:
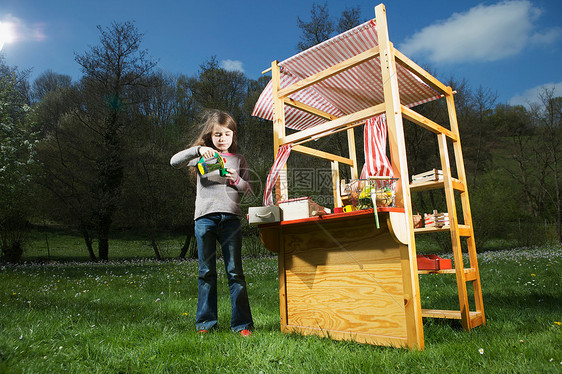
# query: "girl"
[[217, 214]]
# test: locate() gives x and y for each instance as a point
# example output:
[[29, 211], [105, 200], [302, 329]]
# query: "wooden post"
[[400, 167], [336, 183], [281, 192], [352, 152]]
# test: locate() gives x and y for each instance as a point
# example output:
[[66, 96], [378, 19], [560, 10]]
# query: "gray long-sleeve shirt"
[[214, 193]]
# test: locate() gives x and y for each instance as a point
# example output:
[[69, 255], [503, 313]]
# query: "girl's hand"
[[232, 175], [207, 152]]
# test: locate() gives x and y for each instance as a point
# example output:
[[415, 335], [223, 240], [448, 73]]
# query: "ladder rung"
[[469, 273], [475, 317]]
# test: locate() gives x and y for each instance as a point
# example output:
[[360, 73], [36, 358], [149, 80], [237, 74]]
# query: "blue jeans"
[[225, 228]]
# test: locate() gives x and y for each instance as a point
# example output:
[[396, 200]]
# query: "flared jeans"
[[224, 228]]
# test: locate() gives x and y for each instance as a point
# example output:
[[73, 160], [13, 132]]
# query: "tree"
[[17, 149], [548, 117], [152, 191], [112, 69], [217, 88], [319, 28], [47, 82], [349, 18], [66, 154]]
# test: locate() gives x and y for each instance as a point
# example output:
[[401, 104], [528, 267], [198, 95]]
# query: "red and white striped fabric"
[[348, 92], [280, 161], [376, 162]]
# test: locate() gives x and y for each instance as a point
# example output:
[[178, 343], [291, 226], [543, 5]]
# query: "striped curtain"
[[376, 162], [280, 161]]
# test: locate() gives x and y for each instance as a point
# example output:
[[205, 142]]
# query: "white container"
[[302, 207], [264, 214]]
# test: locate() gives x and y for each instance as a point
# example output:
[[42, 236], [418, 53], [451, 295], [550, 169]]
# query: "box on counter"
[[302, 207]]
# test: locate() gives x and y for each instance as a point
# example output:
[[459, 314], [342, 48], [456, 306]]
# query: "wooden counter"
[[341, 277]]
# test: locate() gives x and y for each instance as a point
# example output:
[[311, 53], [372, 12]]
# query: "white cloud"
[[483, 33], [232, 65], [532, 95]]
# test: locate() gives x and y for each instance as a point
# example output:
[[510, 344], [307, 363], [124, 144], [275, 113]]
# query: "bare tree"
[[319, 28], [112, 69], [49, 81], [349, 18]]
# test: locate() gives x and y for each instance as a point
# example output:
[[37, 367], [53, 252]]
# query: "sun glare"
[[7, 34]]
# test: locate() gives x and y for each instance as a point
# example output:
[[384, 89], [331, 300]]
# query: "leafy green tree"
[[153, 193], [17, 150], [67, 169], [217, 88], [548, 119]]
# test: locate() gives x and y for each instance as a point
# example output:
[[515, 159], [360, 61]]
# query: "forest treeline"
[[93, 155]]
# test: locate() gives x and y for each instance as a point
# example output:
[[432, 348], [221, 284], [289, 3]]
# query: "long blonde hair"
[[211, 118]]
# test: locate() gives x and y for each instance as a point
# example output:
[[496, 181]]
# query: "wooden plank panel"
[[343, 298], [359, 337], [338, 279]]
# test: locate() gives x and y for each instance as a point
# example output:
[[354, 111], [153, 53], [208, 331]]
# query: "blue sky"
[[511, 47]]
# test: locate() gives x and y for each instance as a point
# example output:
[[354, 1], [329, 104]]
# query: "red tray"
[[433, 262]]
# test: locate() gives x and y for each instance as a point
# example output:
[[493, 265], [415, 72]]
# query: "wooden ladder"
[[451, 186]]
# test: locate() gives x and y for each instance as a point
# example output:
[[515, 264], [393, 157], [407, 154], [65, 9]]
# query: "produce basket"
[[362, 192]]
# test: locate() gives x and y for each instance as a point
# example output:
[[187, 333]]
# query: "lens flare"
[[7, 34]]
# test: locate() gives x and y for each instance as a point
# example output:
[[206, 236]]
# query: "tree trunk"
[[185, 247], [88, 241], [155, 247], [103, 238], [187, 243]]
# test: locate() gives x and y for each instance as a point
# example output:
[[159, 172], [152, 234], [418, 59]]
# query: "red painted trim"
[[334, 216]]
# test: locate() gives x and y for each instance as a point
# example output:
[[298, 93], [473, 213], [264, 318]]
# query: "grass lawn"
[[137, 316]]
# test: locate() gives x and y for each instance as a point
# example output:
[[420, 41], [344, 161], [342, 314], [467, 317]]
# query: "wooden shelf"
[[464, 230], [435, 185]]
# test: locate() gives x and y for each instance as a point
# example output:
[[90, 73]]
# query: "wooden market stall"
[[339, 275]]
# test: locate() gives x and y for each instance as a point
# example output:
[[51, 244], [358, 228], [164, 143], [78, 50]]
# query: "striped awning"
[[354, 89]]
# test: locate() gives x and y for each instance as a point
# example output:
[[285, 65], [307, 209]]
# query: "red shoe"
[[245, 333]]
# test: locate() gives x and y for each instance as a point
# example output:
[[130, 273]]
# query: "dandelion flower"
[[557, 323], [481, 351], [185, 314], [533, 275]]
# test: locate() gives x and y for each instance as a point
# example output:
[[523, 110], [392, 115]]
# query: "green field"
[[137, 316]]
